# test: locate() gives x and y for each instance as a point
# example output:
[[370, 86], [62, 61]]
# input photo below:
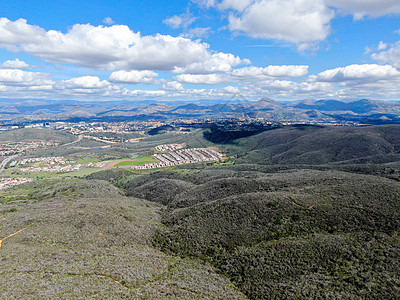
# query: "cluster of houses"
[[183, 156], [53, 160], [169, 147], [61, 168], [7, 149], [8, 182]]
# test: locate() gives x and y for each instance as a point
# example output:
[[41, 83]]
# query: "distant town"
[[16, 157]]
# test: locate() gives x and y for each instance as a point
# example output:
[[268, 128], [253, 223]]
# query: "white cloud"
[[391, 56], [15, 64], [303, 22], [362, 8], [108, 21], [182, 20], [111, 48], [382, 46], [202, 79], [217, 76], [306, 87], [133, 77], [172, 86], [205, 3], [231, 89], [146, 93], [217, 62], [23, 78], [271, 71], [362, 73], [85, 82], [198, 32], [288, 90], [296, 21], [239, 5]]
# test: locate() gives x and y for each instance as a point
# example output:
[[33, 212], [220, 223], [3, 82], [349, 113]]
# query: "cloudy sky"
[[200, 49]]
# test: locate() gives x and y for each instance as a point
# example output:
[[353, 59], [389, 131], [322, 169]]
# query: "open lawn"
[[137, 162]]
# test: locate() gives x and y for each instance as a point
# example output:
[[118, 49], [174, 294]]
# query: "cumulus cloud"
[[362, 8], [23, 78], [182, 20], [111, 48], [391, 55], [360, 81], [296, 21], [198, 32], [382, 46], [271, 71], [172, 86], [108, 21], [363, 73], [245, 74], [231, 89], [133, 77], [205, 3], [202, 79], [144, 93], [217, 62], [303, 22], [239, 5], [15, 64], [85, 82]]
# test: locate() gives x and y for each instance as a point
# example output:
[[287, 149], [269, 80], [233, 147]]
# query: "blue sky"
[[201, 49]]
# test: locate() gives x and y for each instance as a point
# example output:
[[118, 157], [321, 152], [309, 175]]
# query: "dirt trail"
[[11, 235], [301, 206]]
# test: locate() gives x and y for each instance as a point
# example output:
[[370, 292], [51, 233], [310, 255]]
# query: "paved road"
[[80, 137], [6, 161]]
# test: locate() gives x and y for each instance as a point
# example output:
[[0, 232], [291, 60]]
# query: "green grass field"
[[137, 162], [87, 160]]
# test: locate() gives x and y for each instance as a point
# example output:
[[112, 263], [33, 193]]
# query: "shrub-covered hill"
[[36, 134], [318, 145], [85, 240], [287, 234], [59, 189], [116, 175], [162, 191]]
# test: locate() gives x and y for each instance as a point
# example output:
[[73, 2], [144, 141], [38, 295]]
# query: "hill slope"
[[35, 134], [299, 233], [318, 145], [74, 246]]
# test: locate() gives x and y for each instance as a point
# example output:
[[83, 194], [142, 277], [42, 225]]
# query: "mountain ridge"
[[331, 111]]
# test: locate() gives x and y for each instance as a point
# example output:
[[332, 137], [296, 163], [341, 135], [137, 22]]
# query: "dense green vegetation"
[[322, 228], [304, 212], [84, 239], [314, 215], [36, 134], [313, 145]]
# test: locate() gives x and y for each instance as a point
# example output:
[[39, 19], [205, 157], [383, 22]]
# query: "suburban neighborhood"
[[183, 156]]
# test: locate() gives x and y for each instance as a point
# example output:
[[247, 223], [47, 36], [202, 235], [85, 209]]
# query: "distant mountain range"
[[322, 111]]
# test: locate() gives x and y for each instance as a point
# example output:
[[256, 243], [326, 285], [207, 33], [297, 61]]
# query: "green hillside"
[[319, 145], [304, 212], [84, 239], [326, 225], [36, 134]]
